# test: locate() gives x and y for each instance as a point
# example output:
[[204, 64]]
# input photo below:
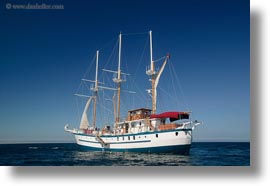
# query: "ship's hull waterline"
[[173, 141]]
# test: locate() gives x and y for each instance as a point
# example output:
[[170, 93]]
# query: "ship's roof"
[[172, 115], [144, 109]]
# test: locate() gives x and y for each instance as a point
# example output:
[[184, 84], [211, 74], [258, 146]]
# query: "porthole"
[[176, 133]]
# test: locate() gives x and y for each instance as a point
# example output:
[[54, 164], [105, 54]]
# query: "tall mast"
[[151, 51], [154, 75], [119, 79], [114, 109], [95, 92], [96, 79]]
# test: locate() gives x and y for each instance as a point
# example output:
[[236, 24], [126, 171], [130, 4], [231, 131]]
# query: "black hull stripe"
[[117, 142], [137, 134]]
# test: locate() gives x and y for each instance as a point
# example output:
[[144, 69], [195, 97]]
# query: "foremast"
[[84, 120], [95, 90]]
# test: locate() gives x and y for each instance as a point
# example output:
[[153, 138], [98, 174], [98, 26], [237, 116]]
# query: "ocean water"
[[63, 154]]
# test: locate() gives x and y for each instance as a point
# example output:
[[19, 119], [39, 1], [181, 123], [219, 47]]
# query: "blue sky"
[[45, 53]]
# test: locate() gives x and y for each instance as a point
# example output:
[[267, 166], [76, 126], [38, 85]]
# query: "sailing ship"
[[143, 130]]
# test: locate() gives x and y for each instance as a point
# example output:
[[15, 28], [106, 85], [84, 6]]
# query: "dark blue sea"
[[70, 154]]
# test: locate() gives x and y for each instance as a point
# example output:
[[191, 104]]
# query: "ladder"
[[98, 138]]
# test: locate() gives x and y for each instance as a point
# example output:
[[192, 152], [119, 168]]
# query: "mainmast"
[[154, 75], [118, 80]]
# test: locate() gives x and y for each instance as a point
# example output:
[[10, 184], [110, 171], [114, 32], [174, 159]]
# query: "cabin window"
[[123, 138], [117, 138], [156, 135], [133, 137], [144, 136], [176, 133], [128, 137]]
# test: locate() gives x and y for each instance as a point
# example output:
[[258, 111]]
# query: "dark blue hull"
[[177, 149]]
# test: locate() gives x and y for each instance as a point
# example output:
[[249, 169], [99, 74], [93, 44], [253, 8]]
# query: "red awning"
[[172, 115]]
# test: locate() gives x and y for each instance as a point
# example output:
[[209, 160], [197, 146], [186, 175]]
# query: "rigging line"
[[163, 90], [87, 86], [174, 89], [107, 79], [78, 114], [181, 89], [132, 78], [113, 53], [160, 59], [90, 66], [107, 44], [79, 103], [79, 87], [135, 33], [142, 95], [169, 95], [161, 102], [87, 71], [141, 58], [179, 85], [105, 108]]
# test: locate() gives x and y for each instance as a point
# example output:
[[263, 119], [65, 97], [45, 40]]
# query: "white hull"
[[177, 141]]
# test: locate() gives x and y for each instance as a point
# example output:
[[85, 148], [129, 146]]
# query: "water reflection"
[[128, 159]]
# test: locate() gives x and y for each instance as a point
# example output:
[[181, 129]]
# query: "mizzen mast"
[[154, 75], [95, 90]]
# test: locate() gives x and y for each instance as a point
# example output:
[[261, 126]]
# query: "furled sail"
[[84, 121]]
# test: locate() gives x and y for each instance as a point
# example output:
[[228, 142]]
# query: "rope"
[[179, 84], [113, 54], [160, 59], [78, 114], [171, 73], [136, 33], [141, 58], [107, 44]]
